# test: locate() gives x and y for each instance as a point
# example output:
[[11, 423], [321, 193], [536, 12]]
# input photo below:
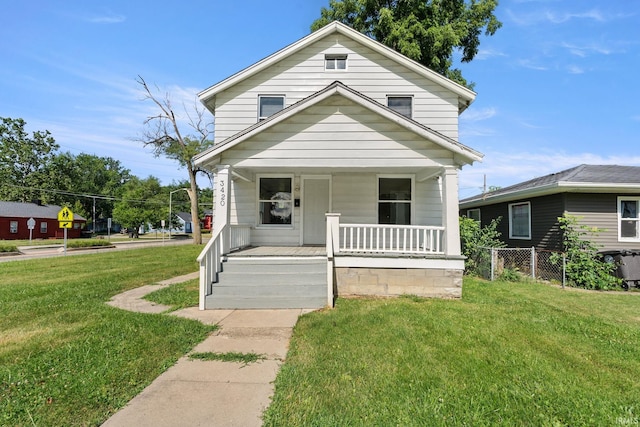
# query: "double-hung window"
[[275, 204], [394, 200], [335, 62], [401, 104], [269, 105], [520, 221], [13, 227], [628, 218], [43, 227], [474, 214]]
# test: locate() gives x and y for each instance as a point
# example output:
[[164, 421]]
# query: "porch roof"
[[462, 153]]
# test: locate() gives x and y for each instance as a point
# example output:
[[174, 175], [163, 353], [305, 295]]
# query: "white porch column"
[[222, 207], [450, 211]]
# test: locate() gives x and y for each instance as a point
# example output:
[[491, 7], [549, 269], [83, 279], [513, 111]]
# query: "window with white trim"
[[520, 221], [335, 62], [275, 204], [474, 214], [394, 200], [401, 104], [13, 227], [269, 105], [628, 218], [43, 227]]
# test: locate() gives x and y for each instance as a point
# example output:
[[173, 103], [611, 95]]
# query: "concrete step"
[[270, 282], [262, 302]]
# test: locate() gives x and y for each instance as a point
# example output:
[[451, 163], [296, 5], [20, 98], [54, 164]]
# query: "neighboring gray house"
[[183, 223], [336, 159], [603, 196]]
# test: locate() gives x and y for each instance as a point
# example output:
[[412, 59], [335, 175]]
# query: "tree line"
[[33, 169]]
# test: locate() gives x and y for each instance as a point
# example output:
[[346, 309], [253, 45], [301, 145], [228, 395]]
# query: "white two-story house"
[[340, 152]]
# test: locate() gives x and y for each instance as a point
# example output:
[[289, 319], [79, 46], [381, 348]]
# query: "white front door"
[[315, 204]]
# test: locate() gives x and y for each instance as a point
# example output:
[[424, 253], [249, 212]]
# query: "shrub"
[[6, 247], [474, 241], [584, 268], [86, 243]]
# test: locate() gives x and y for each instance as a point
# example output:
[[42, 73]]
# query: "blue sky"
[[556, 85]]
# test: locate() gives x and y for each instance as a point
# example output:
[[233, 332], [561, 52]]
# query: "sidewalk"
[[212, 393]]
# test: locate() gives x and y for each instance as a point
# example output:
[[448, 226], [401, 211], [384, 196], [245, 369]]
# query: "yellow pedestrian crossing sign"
[[65, 218]]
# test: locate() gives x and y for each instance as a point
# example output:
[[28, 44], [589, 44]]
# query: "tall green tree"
[[427, 31], [89, 180], [142, 203], [24, 161], [163, 133]]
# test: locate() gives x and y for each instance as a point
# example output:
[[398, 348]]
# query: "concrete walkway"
[[211, 393]]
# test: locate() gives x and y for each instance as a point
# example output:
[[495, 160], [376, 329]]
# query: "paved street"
[[50, 251]]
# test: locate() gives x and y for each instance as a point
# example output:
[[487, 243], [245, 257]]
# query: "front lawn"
[[506, 354], [66, 357]]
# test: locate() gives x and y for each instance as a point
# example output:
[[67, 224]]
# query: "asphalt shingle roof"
[[583, 174], [32, 210]]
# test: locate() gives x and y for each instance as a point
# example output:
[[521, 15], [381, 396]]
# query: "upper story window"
[[335, 62], [520, 221], [269, 105], [401, 104], [628, 218], [394, 201]]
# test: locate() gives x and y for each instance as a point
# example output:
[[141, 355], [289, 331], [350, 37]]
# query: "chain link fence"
[[494, 263]]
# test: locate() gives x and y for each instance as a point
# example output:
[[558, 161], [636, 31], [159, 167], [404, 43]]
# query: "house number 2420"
[[223, 196]]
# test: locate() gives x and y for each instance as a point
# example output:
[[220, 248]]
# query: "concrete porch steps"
[[270, 282]]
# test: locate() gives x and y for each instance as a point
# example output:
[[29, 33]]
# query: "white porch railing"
[[401, 239], [210, 259], [240, 236]]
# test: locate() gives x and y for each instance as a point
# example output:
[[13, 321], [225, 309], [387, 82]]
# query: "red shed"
[[15, 215]]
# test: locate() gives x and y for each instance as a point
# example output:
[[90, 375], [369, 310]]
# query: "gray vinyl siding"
[[545, 231], [368, 72], [600, 210]]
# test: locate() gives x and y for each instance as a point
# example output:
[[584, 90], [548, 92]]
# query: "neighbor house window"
[[13, 227], [335, 62], [275, 201], [629, 218], [394, 201], [520, 220], [43, 227], [269, 105], [401, 104], [474, 214]]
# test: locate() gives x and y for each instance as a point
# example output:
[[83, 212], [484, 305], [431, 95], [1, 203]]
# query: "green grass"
[[508, 354], [179, 295], [66, 357], [244, 358]]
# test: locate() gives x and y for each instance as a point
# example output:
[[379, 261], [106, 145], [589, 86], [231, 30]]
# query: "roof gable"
[[592, 178], [463, 154], [465, 96]]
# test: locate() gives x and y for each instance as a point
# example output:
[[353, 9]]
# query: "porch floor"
[[280, 251]]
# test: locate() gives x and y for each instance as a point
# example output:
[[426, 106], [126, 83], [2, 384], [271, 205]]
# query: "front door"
[[315, 204]]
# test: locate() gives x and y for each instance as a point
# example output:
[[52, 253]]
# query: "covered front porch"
[[356, 259]]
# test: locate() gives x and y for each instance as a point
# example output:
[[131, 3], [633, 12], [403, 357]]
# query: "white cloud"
[[109, 18], [530, 64], [474, 115], [574, 69], [556, 17], [504, 169], [488, 53], [584, 51]]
